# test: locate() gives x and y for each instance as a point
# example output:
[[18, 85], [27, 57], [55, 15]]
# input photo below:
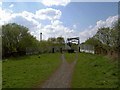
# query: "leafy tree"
[[56, 43], [93, 41], [99, 47], [60, 40], [116, 29], [107, 38], [104, 35], [44, 46], [16, 38], [53, 40]]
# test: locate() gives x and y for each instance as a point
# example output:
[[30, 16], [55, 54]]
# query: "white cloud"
[[34, 22], [42, 14], [74, 26], [28, 16], [12, 5], [109, 22], [48, 13], [55, 28], [5, 16], [0, 3], [55, 2], [56, 23]]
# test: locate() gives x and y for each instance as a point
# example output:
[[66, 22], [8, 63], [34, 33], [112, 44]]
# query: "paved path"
[[62, 77]]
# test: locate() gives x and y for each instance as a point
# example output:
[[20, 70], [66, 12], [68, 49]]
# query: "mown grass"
[[28, 71], [93, 71], [70, 57]]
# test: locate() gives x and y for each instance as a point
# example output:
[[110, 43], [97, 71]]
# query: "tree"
[[45, 46], [109, 37], [60, 40], [104, 35], [93, 41], [99, 47], [53, 40], [16, 38], [116, 29], [56, 43]]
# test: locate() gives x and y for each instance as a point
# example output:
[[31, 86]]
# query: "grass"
[[28, 71], [70, 57], [93, 71], [0, 74]]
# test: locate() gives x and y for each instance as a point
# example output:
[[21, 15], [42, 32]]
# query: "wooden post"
[[79, 49], [60, 50], [53, 50]]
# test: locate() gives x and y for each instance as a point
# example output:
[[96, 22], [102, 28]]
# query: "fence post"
[[79, 49], [60, 50], [53, 50]]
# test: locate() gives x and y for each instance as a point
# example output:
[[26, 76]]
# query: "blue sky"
[[82, 14], [75, 16], [85, 14]]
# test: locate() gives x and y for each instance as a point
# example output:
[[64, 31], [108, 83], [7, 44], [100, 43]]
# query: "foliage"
[[18, 41], [16, 38], [106, 39], [56, 43], [93, 41], [53, 40], [60, 40], [116, 28], [107, 36], [45, 46]]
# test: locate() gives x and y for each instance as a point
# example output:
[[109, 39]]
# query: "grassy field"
[[93, 71], [29, 71], [70, 57]]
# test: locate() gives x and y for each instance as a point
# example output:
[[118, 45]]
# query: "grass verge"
[[70, 57], [93, 71], [28, 71]]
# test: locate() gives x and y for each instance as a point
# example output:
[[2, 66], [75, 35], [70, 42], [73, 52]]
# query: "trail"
[[62, 77]]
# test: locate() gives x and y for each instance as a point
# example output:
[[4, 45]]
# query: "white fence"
[[87, 48]]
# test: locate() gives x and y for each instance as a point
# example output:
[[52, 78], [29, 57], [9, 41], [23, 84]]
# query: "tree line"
[[17, 41], [106, 41]]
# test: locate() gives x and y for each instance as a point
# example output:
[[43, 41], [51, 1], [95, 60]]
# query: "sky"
[[60, 18]]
